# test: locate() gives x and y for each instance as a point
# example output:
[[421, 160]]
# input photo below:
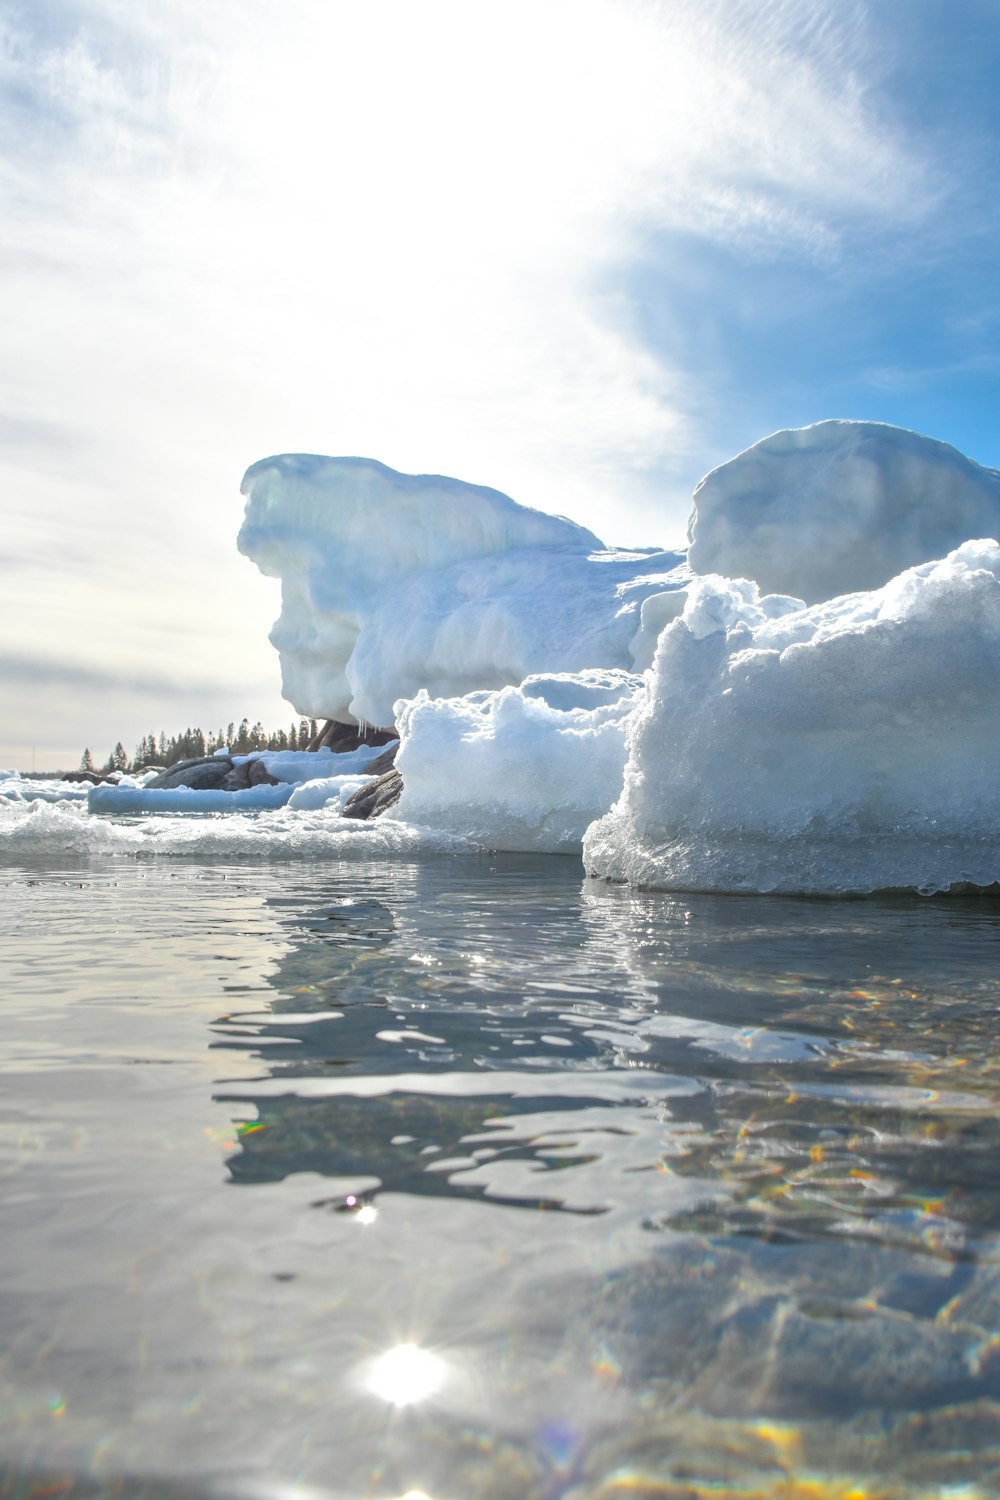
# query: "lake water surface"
[[473, 1178]]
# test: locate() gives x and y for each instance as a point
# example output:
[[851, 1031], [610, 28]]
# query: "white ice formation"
[[847, 746], [838, 506], [392, 583], [522, 768], [692, 726]]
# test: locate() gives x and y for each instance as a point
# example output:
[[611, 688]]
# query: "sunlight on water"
[[405, 1374], [475, 1178]]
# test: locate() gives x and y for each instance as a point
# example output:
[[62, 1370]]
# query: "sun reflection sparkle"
[[405, 1375]]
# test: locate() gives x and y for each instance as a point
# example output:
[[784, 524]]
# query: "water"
[[472, 1178]]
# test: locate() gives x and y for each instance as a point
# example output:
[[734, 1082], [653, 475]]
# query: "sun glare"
[[405, 1375]]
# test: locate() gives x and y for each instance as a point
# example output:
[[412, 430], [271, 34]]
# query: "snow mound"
[[847, 747], [393, 583], [524, 768], [837, 507]]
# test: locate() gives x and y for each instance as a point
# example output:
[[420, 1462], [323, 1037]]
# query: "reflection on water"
[[474, 1178]]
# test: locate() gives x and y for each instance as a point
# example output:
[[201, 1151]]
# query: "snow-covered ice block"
[[128, 800], [393, 583], [850, 746], [332, 792], [837, 507], [522, 768], [299, 766]]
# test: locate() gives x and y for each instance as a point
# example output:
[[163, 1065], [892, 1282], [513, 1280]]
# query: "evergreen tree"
[[145, 753], [192, 743]]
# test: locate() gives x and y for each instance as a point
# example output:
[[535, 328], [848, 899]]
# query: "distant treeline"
[[161, 750]]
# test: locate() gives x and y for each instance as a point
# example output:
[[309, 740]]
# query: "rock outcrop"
[[380, 793], [213, 773]]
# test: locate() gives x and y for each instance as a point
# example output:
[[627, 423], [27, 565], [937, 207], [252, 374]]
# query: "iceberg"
[[838, 507], [392, 583], [848, 746]]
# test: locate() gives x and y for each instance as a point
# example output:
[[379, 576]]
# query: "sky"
[[578, 250]]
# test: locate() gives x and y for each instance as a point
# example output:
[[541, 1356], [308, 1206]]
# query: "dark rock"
[[204, 773], [248, 773], [259, 775], [214, 773], [343, 737], [375, 797], [238, 779], [93, 778]]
